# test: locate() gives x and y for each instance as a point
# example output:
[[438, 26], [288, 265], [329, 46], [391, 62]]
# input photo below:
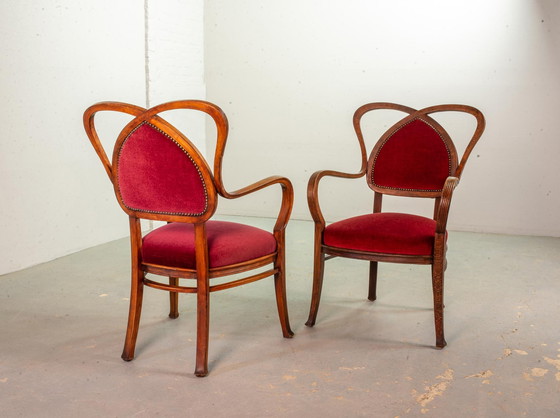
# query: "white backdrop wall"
[[175, 60], [59, 57], [290, 75]]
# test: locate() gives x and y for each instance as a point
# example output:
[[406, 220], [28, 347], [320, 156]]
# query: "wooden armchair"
[[158, 174], [414, 158]]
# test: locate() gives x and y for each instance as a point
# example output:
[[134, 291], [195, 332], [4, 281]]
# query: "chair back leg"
[[173, 299], [202, 301], [202, 327], [372, 292]]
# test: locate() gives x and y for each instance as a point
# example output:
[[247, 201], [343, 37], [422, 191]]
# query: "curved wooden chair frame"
[[202, 274], [442, 198]]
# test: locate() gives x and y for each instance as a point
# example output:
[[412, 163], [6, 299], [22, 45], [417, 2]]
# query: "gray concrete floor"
[[62, 328]]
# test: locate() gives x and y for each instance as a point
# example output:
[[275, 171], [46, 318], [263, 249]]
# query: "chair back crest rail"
[[211, 182], [430, 132], [400, 176]]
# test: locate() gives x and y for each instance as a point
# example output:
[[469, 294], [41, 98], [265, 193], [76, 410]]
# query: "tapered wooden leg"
[[202, 328], [202, 302], [372, 293], [173, 299], [136, 290], [437, 285], [280, 289], [135, 309], [318, 272], [281, 302]]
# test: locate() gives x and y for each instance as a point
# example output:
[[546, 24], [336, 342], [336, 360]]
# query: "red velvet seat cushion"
[[388, 233], [172, 245]]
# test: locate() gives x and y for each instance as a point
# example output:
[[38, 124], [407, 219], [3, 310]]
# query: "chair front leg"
[[280, 288], [173, 299], [437, 285], [438, 268], [318, 273]]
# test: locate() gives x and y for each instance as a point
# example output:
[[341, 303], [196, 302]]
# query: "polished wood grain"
[[442, 202], [202, 274]]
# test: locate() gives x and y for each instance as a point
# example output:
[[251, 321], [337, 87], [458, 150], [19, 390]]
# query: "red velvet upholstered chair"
[[415, 158], [158, 174]]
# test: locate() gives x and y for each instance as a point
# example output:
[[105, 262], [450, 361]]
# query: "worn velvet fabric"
[[228, 243], [389, 233], [156, 175], [414, 158]]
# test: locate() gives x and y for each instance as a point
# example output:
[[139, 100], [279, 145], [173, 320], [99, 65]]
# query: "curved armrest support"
[[444, 204], [287, 197], [313, 191]]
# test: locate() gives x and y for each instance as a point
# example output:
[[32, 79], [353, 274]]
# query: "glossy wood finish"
[[442, 202], [202, 274]]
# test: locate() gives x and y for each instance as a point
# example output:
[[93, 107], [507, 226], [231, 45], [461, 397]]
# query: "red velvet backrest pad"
[[415, 157], [156, 175]]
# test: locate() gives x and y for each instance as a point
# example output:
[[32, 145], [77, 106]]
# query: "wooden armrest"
[[313, 191], [287, 197], [261, 184], [444, 204]]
